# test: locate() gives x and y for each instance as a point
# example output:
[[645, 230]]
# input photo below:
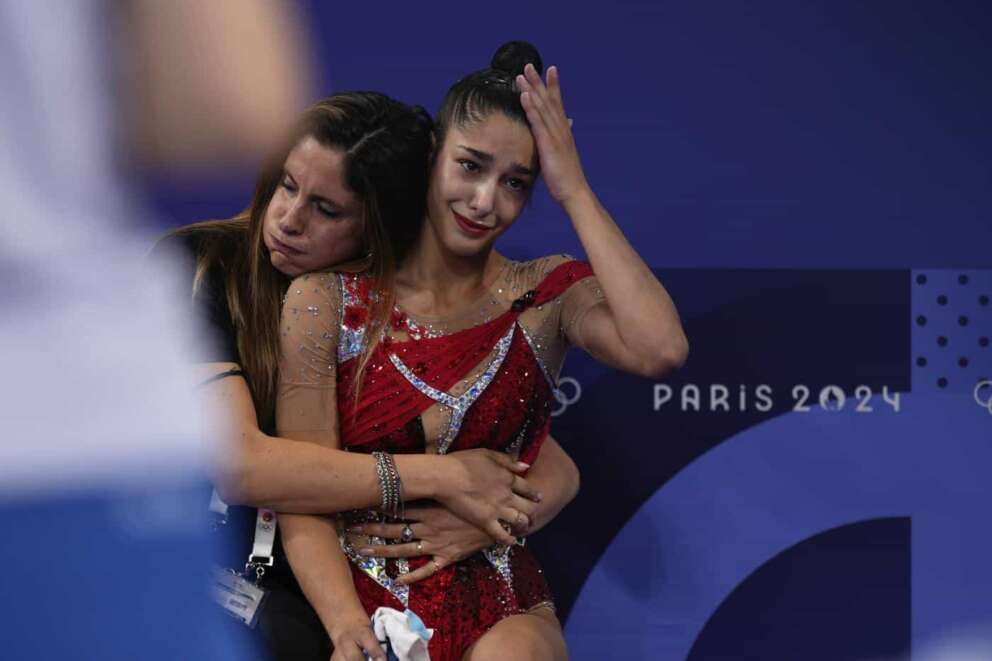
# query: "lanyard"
[[264, 538], [265, 520]]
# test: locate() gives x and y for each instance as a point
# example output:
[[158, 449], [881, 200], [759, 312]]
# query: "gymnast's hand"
[[552, 131], [434, 531], [353, 638]]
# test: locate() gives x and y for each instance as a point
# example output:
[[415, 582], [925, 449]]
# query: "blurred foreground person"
[[102, 468]]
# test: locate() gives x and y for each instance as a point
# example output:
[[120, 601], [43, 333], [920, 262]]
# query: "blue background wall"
[[809, 178]]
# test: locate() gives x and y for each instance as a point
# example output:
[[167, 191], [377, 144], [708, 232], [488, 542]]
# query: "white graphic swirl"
[[562, 398], [987, 401]]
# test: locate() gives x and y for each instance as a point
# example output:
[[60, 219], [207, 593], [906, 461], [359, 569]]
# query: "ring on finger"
[[407, 535], [420, 548]]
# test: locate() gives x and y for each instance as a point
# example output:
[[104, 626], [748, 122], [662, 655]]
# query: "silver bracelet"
[[389, 484]]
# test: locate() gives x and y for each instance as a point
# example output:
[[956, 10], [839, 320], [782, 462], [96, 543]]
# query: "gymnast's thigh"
[[533, 636]]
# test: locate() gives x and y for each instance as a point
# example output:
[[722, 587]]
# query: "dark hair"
[[489, 90], [387, 146]]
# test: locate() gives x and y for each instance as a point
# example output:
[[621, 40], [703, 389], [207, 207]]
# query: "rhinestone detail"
[[498, 556], [351, 341], [459, 405], [375, 568]]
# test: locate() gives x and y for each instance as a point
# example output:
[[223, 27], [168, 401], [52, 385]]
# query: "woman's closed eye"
[[328, 211]]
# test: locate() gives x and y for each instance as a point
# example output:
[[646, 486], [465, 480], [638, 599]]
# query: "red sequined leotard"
[[483, 378]]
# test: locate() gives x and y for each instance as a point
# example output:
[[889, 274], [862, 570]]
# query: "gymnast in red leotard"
[[460, 348]]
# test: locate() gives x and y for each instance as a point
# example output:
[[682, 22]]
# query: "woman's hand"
[[436, 532], [482, 488], [353, 637], [552, 131]]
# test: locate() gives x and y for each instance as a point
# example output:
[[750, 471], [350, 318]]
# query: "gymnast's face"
[[482, 178], [313, 220]]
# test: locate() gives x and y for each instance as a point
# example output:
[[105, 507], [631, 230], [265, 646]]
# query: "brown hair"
[[387, 147]]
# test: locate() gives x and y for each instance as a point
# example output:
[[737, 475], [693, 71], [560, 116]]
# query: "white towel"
[[405, 631]]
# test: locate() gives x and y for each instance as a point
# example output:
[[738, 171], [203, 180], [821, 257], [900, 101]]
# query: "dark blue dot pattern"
[[951, 326]]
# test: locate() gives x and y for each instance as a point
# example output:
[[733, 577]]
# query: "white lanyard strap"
[[265, 535], [265, 539]]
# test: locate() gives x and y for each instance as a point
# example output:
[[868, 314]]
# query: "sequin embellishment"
[[375, 568], [417, 331], [351, 340], [498, 556], [459, 405]]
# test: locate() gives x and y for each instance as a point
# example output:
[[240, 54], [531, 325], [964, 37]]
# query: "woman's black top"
[[289, 627]]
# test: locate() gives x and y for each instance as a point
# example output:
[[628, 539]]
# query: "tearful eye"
[[516, 185], [469, 165]]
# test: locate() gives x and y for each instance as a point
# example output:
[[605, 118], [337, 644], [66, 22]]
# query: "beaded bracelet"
[[389, 484]]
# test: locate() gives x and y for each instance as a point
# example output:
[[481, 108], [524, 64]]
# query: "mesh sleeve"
[[306, 398], [576, 303]]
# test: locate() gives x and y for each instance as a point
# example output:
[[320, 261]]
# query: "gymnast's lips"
[[469, 227]]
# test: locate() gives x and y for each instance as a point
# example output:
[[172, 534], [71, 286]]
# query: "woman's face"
[[314, 220], [481, 180]]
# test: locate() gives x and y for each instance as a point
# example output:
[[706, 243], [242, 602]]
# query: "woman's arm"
[[256, 469], [448, 538], [638, 329], [319, 564], [306, 411], [303, 477]]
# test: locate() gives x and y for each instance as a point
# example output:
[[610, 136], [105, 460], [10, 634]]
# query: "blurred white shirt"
[[94, 386]]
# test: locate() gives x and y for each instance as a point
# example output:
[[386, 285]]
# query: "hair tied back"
[[513, 56]]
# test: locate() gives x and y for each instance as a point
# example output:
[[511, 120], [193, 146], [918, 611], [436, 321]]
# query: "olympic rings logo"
[[985, 402], [563, 399]]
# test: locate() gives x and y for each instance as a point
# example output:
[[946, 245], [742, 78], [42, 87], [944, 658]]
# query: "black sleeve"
[[207, 309]]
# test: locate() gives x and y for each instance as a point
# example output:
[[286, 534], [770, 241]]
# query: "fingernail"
[[540, 496], [365, 550], [520, 463], [353, 529]]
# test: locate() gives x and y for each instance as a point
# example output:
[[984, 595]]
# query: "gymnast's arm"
[[637, 327]]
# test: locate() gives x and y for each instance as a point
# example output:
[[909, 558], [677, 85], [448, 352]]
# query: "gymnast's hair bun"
[[513, 56]]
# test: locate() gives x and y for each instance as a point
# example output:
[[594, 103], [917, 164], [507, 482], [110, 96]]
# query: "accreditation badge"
[[241, 598]]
